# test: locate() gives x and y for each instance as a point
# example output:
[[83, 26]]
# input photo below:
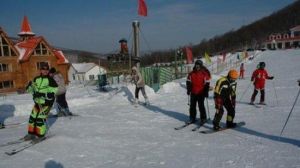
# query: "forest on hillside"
[[250, 36]]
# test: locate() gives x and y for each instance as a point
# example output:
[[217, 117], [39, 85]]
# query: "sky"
[[112, 133], [98, 25]]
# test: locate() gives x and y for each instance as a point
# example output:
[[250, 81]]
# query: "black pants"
[[262, 95], [193, 102], [61, 101], [137, 90], [229, 106]]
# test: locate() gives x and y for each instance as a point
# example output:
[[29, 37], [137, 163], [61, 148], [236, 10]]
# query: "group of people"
[[49, 87], [198, 85], [46, 88]]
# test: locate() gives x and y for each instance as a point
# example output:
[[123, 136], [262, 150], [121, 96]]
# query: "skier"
[[258, 78], [138, 80], [197, 88], [225, 95], [242, 71], [60, 96], [43, 89]]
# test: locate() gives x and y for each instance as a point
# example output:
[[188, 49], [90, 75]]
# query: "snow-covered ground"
[[112, 133]]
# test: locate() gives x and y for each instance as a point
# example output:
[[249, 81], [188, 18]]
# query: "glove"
[[272, 77], [38, 94], [206, 90], [188, 92], [50, 95]]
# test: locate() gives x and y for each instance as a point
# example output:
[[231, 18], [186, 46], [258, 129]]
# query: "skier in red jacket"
[[198, 87], [259, 77]]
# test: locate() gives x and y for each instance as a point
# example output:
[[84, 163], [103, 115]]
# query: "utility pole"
[[136, 42]]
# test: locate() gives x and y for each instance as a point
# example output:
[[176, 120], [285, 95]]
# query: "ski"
[[21, 140], [255, 105], [57, 116], [11, 125], [183, 126], [210, 131], [25, 146]]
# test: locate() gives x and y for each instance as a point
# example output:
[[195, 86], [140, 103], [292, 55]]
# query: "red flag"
[[142, 8], [189, 55]]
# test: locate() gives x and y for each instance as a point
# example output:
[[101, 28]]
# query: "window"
[[6, 84], [39, 64], [5, 49], [91, 77], [4, 67], [41, 50]]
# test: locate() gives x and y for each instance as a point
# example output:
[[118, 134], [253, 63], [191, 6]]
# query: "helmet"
[[262, 65], [233, 74], [199, 62]]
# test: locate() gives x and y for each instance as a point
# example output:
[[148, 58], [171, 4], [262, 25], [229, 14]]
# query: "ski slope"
[[112, 133]]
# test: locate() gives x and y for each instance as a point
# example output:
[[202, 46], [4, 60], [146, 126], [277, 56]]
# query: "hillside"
[[248, 36]]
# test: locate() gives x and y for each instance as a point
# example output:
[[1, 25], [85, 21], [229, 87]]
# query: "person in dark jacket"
[[225, 95], [258, 78], [43, 89], [197, 88]]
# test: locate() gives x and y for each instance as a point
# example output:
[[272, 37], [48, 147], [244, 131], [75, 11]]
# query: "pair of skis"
[[189, 123], [209, 131], [25, 144]]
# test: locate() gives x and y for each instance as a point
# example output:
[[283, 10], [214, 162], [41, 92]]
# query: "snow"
[[112, 133]]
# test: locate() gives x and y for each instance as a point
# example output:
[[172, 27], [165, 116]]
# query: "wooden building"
[[20, 60]]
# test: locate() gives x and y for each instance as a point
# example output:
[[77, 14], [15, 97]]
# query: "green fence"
[[157, 76]]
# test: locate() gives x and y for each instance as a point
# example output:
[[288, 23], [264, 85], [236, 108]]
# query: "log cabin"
[[20, 60]]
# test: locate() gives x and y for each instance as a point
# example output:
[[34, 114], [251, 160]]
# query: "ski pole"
[[188, 100], [207, 109], [290, 112], [275, 92], [245, 91]]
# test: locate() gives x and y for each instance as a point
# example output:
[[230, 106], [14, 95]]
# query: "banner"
[[189, 55], [207, 58], [142, 9]]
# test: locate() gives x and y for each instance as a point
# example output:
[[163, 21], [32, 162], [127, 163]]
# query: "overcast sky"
[[98, 25]]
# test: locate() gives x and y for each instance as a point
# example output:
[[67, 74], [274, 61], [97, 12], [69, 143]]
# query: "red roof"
[[26, 29], [26, 48]]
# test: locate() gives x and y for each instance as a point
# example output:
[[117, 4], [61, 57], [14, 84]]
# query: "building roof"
[[296, 28], [83, 67], [25, 28], [26, 48]]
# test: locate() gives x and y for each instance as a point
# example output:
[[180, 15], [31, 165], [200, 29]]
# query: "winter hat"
[[199, 62], [134, 68], [52, 70], [233, 74], [262, 65]]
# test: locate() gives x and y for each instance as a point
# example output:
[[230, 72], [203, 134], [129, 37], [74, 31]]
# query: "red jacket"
[[259, 77], [198, 79]]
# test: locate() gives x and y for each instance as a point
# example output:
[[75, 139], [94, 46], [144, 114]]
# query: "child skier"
[[258, 78]]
